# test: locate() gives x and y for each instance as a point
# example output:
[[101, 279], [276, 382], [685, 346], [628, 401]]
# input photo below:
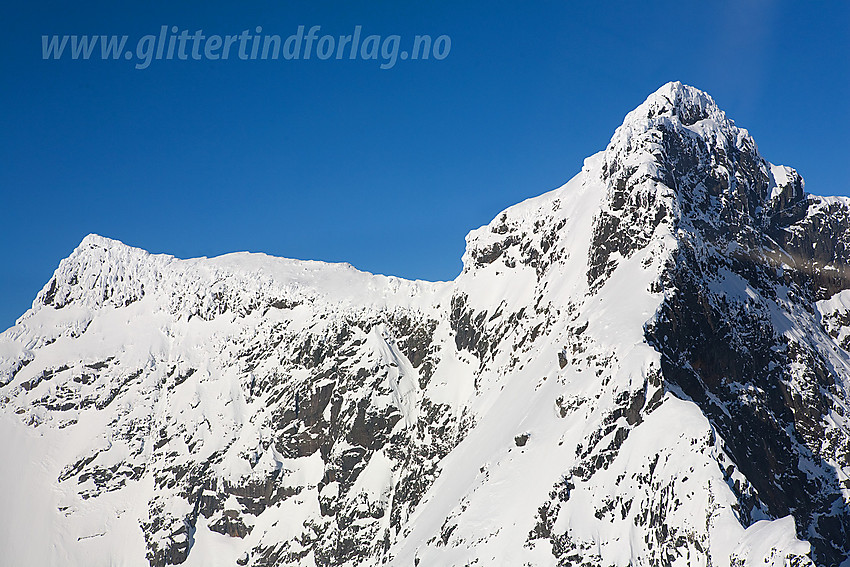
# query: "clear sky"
[[387, 169]]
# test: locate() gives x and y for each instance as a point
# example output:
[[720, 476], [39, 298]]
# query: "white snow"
[[155, 320]]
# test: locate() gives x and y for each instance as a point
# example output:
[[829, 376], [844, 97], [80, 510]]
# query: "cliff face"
[[646, 366]]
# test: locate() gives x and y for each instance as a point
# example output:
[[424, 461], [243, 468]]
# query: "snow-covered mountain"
[[649, 366]]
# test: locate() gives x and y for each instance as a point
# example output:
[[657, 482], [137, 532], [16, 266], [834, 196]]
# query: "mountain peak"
[[679, 142], [686, 103], [684, 112], [94, 241]]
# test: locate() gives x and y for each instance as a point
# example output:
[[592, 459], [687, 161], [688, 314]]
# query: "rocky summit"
[[649, 366]]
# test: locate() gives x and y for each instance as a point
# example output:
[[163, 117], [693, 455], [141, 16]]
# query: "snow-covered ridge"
[[645, 366], [102, 271]]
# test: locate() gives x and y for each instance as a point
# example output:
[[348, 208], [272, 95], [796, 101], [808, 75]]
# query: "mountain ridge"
[[645, 366]]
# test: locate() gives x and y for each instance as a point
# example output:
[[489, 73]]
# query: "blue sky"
[[385, 169]]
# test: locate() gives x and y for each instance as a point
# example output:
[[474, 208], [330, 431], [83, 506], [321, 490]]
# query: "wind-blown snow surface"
[[646, 366]]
